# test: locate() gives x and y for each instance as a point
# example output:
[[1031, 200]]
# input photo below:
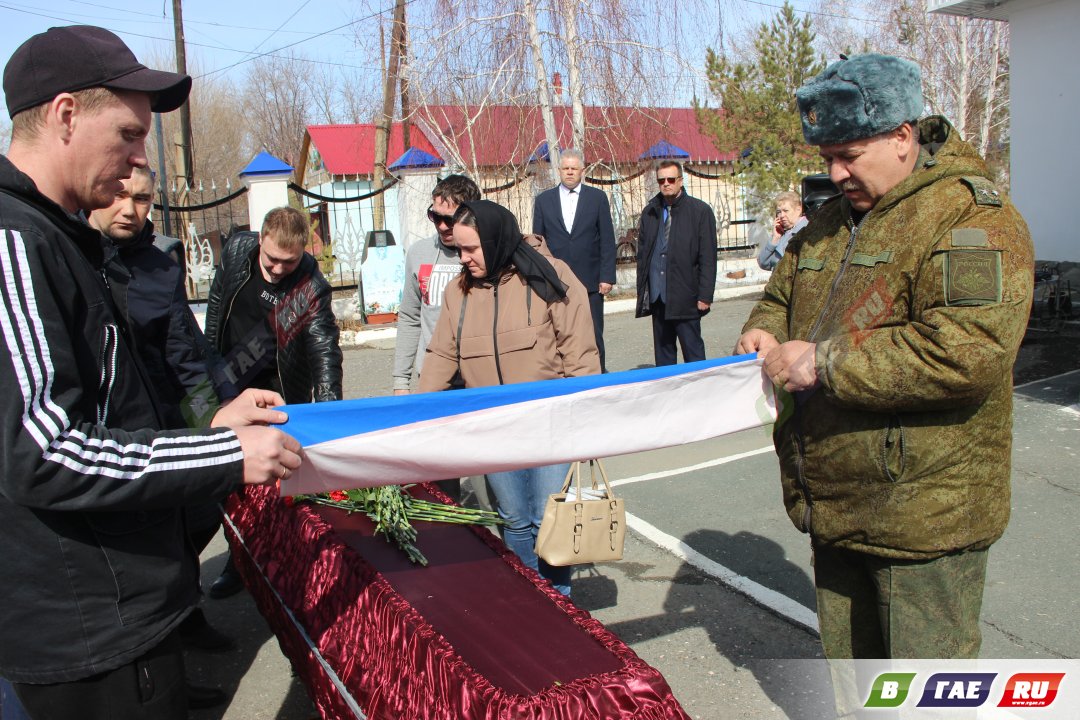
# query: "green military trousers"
[[876, 607]]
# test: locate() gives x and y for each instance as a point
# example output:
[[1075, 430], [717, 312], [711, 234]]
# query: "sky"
[[223, 36]]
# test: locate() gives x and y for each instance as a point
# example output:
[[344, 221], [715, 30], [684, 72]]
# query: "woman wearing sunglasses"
[[515, 315]]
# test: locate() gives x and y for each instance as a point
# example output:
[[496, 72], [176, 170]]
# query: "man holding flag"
[[894, 320]]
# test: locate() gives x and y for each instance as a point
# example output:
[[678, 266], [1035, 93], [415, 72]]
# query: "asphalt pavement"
[[715, 588]]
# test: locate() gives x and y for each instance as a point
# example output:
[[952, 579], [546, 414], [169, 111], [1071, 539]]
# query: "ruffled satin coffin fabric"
[[473, 635]]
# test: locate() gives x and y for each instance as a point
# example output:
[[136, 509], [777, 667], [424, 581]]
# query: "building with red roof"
[[349, 150], [504, 148], [506, 137]]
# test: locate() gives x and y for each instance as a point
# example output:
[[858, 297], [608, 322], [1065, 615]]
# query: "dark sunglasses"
[[437, 218], [667, 181]]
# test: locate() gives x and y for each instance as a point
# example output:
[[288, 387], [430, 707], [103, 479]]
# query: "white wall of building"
[[1045, 107]]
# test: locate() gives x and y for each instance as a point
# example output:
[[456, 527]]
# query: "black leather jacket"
[[309, 362]]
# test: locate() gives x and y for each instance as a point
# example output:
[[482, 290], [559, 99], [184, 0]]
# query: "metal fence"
[[338, 227], [341, 212], [205, 215], [629, 189], [342, 218], [202, 217]]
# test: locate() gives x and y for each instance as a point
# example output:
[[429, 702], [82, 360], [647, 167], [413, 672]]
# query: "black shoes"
[[198, 634], [227, 584], [200, 698]]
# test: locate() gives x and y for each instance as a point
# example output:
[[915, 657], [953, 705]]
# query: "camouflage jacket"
[[904, 449]]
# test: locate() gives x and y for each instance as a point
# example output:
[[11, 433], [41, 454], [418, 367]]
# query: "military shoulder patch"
[[985, 192], [970, 237], [972, 277]]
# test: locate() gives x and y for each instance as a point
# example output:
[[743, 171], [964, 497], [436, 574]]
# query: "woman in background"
[[790, 219]]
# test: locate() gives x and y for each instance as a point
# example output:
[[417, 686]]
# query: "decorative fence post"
[[417, 172], [267, 180]]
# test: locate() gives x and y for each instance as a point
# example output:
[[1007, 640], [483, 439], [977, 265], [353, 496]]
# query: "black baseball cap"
[[77, 57]]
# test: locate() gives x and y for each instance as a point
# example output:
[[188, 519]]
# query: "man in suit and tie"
[[576, 222]]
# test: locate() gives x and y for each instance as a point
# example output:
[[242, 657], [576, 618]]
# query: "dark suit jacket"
[[588, 247], [691, 258]]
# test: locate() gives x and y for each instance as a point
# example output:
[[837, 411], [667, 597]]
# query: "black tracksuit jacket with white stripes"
[[95, 566]]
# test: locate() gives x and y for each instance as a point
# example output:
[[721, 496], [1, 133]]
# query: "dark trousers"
[[665, 332], [150, 687], [596, 307]]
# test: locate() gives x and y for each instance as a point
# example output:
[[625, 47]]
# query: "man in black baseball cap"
[[98, 572], [68, 59], [86, 76]]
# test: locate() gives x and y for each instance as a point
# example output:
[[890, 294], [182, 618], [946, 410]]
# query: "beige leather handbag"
[[582, 526]]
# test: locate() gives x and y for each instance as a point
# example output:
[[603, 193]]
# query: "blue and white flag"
[[405, 439]]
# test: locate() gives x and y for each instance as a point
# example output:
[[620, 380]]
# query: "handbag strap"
[[613, 516], [576, 465], [573, 474], [595, 465]]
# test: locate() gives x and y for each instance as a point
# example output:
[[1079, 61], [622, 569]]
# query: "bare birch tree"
[[628, 55], [464, 58], [543, 90], [475, 54], [276, 104], [568, 12]]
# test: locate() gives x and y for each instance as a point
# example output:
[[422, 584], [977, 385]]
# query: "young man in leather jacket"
[[269, 318]]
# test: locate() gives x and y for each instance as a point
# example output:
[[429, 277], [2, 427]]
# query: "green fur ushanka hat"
[[859, 97]]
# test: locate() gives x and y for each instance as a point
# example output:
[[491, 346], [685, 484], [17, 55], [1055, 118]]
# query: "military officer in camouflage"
[[893, 323]]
